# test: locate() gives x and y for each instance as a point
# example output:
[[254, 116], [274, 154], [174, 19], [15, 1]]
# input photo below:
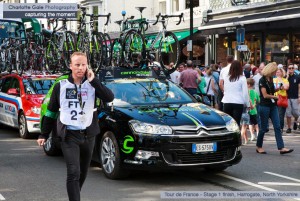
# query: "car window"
[[147, 92], [15, 84], [6, 84], [33, 86]]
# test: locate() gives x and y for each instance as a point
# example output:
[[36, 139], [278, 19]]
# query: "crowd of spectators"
[[249, 94]]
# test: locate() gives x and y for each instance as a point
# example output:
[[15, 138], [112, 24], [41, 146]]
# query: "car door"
[[11, 103]]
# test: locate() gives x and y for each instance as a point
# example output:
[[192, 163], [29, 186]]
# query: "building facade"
[[271, 30]]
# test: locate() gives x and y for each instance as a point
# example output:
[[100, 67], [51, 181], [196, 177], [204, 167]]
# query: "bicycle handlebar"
[[54, 22], [95, 16], [157, 18], [169, 16]]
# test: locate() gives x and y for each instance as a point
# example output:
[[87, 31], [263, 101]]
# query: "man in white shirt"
[[258, 76], [225, 71], [256, 79], [175, 77]]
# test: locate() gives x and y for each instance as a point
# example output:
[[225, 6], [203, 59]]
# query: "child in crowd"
[[245, 121], [254, 99]]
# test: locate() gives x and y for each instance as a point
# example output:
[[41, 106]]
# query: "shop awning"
[[179, 34], [258, 21]]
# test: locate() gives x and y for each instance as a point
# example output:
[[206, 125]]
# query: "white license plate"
[[205, 147]]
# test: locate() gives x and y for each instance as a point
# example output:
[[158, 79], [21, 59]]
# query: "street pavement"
[[27, 174]]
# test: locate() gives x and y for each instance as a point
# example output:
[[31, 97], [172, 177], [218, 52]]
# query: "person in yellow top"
[[283, 85]]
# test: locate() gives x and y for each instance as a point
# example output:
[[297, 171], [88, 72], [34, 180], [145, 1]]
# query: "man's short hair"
[[77, 54], [189, 63], [229, 59]]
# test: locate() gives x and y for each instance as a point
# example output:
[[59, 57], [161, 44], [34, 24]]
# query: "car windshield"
[[147, 92], [37, 86]]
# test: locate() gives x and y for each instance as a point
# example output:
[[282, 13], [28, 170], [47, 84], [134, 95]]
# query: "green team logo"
[[127, 149]]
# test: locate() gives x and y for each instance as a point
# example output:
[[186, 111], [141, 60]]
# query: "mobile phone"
[[87, 70]]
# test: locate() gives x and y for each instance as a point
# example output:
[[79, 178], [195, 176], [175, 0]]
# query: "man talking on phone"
[[72, 107]]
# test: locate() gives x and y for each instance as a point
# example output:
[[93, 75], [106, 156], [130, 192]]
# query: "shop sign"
[[239, 2], [230, 29]]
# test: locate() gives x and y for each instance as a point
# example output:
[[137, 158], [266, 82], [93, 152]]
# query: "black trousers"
[[234, 110], [77, 149]]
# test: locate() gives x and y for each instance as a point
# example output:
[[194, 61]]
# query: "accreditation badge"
[[82, 118]]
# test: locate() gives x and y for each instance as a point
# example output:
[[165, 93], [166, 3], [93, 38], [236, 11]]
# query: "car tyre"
[[110, 157], [23, 130], [219, 168], [51, 146]]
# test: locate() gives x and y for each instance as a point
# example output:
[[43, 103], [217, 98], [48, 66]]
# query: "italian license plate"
[[205, 147]]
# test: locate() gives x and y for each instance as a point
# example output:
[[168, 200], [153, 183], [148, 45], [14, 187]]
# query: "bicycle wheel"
[[134, 48], [82, 43], [96, 53], [169, 51], [19, 65], [25, 58], [2, 60], [116, 51], [52, 57], [106, 46], [69, 47], [8, 60]]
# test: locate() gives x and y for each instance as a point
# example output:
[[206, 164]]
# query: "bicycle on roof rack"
[[11, 53], [165, 43], [33, 54], [93, 43], [59, 48], [127, 50]]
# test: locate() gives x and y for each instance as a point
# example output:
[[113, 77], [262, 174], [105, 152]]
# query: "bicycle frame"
[[160, 35]]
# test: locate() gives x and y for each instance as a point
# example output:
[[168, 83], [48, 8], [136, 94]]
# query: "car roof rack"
[[112, 73], [30, 74]]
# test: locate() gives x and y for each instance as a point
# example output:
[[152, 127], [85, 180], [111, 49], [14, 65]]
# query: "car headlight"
[[142, 127], [36, 110], [231, 125]]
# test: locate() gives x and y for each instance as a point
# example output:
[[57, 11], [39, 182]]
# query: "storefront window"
[[296, 48], [253, 41], [277, 47]]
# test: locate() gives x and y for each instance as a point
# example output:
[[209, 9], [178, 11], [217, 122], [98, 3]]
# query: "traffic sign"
[[242, 48]]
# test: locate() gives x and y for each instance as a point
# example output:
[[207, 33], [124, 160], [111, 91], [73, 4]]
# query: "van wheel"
[[23, 131], [110, 157]]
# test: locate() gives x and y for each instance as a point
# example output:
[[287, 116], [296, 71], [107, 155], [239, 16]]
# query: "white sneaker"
[[252, 138]]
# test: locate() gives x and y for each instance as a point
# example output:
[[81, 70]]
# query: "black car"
[[153, 123]]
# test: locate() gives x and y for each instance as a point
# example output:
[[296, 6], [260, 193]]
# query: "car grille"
[[203, 139], [179, 151], [197, 131], [179, 157], [222, 155]]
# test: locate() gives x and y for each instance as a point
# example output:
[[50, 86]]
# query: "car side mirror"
[[13, 91], [197, 97]]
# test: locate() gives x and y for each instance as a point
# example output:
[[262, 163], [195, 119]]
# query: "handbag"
[[282, 101]]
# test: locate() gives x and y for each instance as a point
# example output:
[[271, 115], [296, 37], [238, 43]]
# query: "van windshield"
[[11, 29]]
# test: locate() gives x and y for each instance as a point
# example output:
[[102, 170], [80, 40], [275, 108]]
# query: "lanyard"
[[79, 97]]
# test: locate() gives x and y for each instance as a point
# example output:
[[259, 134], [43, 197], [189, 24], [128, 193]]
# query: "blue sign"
[[240, 35]]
